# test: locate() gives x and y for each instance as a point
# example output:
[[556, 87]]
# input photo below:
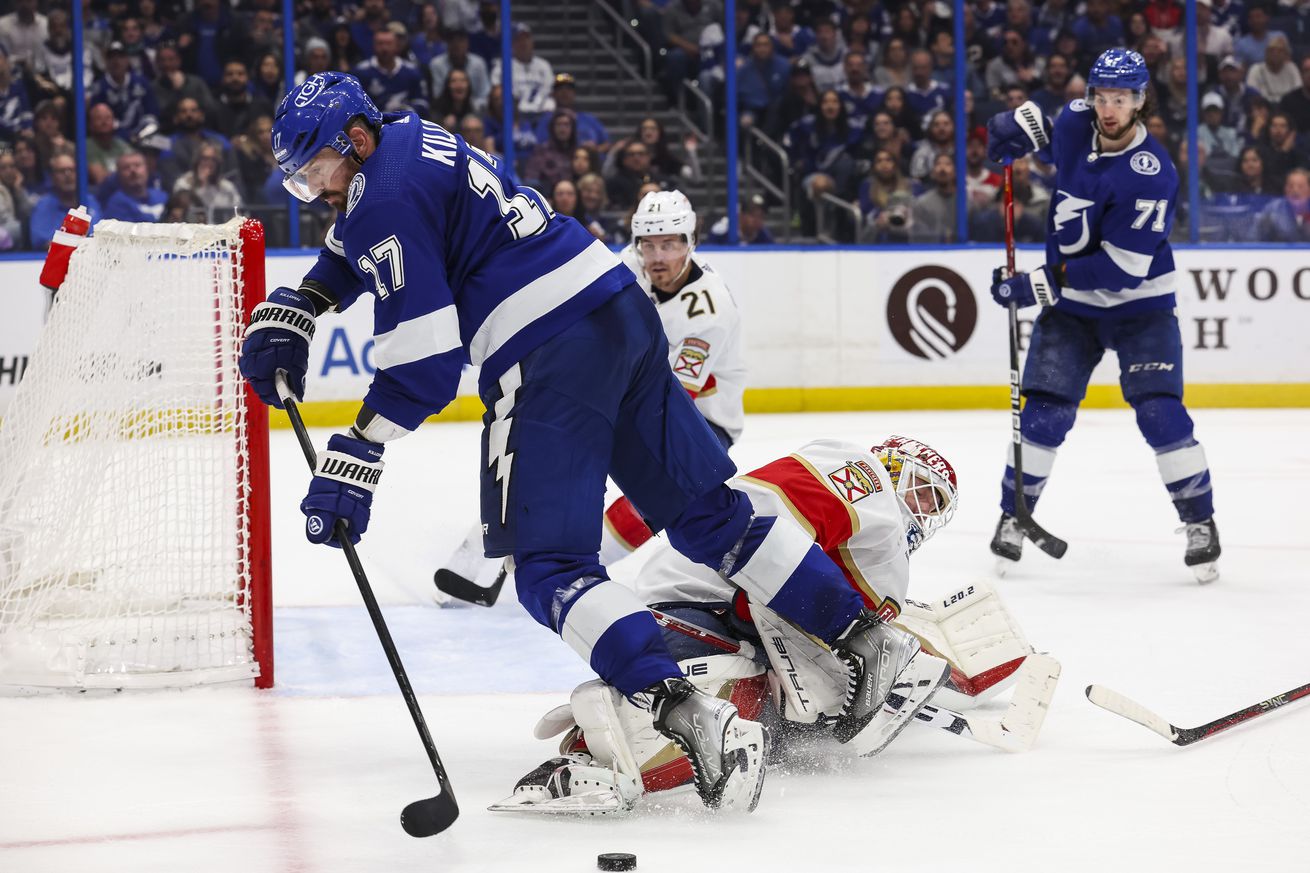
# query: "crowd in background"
[[181, 93]]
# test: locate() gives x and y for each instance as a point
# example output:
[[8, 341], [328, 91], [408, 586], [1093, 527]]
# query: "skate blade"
[[749, 741], [1206, 573], [1003, 566]]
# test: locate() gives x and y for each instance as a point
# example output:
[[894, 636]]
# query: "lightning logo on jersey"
[[498, 453], [1066, 210]]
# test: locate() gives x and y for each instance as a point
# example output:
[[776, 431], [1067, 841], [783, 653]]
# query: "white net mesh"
[[124, 480]]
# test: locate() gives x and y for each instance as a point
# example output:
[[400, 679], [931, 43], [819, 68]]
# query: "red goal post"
[[135, 548]]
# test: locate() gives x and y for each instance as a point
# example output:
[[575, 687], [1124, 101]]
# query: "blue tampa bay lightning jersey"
[[465, 266], [1110, 219]]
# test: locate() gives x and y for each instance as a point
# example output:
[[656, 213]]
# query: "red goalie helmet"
[[923, 480]]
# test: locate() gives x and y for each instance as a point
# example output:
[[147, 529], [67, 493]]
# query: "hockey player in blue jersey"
[[1108, 283], [466, 266]]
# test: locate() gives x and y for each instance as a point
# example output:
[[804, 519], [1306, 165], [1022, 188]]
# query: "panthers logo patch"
[[355, 192], [1145, 163]]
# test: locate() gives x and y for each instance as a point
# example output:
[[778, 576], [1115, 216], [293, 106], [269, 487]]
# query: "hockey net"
[[134, 544]]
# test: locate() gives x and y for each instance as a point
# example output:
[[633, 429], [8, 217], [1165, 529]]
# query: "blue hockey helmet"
[[313, 117], [1120, 68]]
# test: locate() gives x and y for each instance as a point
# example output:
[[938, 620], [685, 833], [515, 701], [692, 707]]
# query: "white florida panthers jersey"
[[841, 495], [703, 325]]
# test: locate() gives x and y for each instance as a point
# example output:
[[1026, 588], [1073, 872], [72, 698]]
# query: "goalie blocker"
[[611, 755]]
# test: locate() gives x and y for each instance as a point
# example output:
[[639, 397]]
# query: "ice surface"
[[312, 776]]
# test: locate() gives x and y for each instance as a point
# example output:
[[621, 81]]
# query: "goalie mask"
[[665, 213], [924, 482]]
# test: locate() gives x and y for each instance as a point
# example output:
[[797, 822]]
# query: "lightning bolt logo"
[[1067, 210], [498, 454]]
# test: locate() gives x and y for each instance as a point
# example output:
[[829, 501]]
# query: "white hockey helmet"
[[925, 483], [664, 212]]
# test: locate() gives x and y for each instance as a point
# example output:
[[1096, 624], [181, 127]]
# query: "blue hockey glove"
[[278, 339], [1011, 135], [1025, 289], [342, 487]]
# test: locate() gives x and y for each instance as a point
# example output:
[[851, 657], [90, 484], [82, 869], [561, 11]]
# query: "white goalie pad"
[[621, 741], [972, 629], [807, 679]]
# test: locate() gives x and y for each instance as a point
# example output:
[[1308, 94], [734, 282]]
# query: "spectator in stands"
[[1287, 220], [173, 83], [820, 149], [127, 94], [564, 199], [633, 171], [591, 192], [532, 76], [1171, 96], [135, 199], [933, 215], [1097, 30], [827, 56], [858, 95], [884, 134], [47, 131], [681, 26], [1276, 75], [663, 161], [886, 200], [261, 179], [31, 174], [761, 80], [207, 37], [987, 223], [1213, 136], [103, 146], [896, 103], [455, 102], [524, 137], [317, 59], [925, 94], [457, 57], [1015, 65], [1297, 103], [129, 34], [214, 195], [1164, 16], [1249, 48], [345, 54], [394, 84], [237, 103], [939, 141], [584, 161], [11, 180], [893, 68], [1054, 16], [49, 211], [981, 182], [800, 99], [22, 32], [751, 230], [190, 137], [591, 132], [1050, 96], [52, 72], [15, 111], [426, 42], [1214, 42], [266, 80], [1238, 96], [475, 134], [371, 18], [790, 40], [1281, 153], [552, 159]]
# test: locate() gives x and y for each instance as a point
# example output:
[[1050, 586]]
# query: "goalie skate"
[[572, 784], [876, 654], [727, 752], [914, 687]]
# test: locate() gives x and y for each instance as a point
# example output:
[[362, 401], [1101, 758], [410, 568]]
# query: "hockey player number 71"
[[1144, 210]]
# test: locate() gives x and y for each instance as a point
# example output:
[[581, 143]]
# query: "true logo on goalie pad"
[[855, 481]]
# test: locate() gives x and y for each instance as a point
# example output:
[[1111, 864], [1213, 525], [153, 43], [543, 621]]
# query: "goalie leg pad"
[[572, 785]]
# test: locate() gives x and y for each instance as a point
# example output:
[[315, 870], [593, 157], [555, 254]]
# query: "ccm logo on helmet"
[[309, 91]]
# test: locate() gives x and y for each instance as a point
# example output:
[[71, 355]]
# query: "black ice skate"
[[1202, 549], [1007, 542], [727, 752], [876, 654]]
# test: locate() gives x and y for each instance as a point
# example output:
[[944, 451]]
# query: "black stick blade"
[[430, 816], [1048, 543], [464, 589]]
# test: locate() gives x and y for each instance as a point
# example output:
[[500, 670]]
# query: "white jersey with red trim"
[[837, 491], [703, 325]]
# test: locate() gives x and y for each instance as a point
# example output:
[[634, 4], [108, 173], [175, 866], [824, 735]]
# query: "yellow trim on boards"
[[1292, 395]]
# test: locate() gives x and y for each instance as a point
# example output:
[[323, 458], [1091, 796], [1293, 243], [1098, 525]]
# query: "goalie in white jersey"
[[703, 325], [868, 509]]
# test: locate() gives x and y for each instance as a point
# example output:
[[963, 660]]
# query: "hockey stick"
[[450, 582], [432, 815], [1015, 731], [1129, 709], [1051, 545]]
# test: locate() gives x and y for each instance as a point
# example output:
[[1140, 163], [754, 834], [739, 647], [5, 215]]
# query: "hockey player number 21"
[[526, 217], [1144, 210]]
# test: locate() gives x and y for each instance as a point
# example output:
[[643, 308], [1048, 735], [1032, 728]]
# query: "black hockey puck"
[[616, 861]]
